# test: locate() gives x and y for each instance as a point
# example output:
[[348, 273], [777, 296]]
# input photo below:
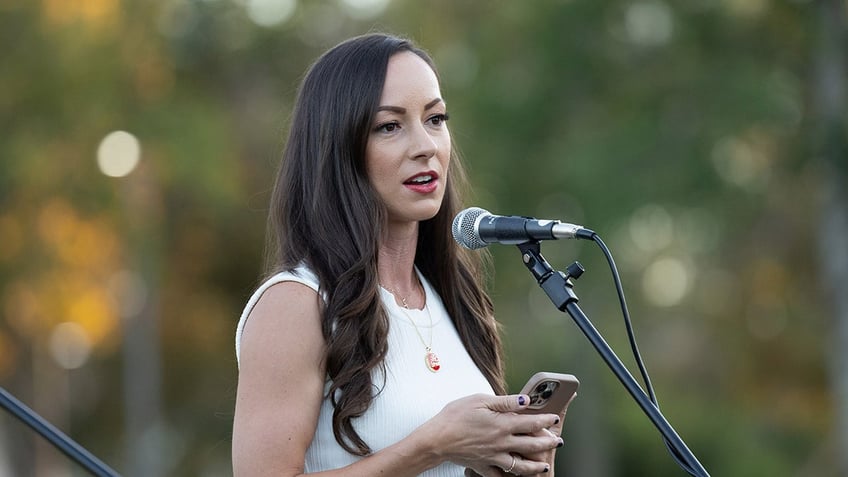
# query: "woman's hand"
[[488, 435], [555, 431]]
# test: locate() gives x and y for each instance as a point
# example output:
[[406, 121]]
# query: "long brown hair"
[[325, 214]]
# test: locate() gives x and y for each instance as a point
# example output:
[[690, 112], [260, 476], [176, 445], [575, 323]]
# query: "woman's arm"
[[280, 390], [280, 383]]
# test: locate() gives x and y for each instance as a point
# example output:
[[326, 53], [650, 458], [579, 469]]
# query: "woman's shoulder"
[[300, 274], [283, 296]]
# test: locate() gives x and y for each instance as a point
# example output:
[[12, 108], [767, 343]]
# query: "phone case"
[[549, 392]]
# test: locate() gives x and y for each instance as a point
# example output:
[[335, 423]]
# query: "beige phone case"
[[549, 392]]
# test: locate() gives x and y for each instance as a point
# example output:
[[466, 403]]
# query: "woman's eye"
[[388, 127], [438, 119]]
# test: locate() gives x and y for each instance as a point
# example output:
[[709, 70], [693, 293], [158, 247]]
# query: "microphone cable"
[[633, 346]]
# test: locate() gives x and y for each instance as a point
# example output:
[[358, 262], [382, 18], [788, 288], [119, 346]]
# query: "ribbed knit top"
[[409, 394]]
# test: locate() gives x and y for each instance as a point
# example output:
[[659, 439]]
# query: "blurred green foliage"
[[681, 132]]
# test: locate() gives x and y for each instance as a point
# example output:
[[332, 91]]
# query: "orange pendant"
[[432, 361]]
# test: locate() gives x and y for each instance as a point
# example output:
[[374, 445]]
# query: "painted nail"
[[556, 422], [521, 400], [547, 469], [561, 442]]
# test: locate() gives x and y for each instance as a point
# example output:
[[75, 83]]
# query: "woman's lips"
[[423, 183]]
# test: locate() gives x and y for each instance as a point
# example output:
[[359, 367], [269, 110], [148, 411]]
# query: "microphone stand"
[[560, 290], [55, 436]]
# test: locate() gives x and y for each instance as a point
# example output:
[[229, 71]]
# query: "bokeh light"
[[270, 13], [69, 345], [648, 23], [364, 9], [129, 290], [666, 282], [745, 8], [740, 163], [651, 228], [118, 154]]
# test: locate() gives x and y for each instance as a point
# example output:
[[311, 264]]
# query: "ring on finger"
[[511, 466]]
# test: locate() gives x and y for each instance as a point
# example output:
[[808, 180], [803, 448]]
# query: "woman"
[[372, 349]]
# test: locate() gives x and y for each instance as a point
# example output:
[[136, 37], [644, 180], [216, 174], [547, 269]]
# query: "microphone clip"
[[557, 285]]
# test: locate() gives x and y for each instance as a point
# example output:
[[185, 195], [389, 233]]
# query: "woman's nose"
[[423, 144]]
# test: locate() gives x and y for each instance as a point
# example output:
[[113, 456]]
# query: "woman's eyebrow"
[[393, 109], [432, 103], [400, 110]]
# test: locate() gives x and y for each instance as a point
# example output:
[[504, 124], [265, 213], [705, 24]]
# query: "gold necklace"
[[431, 359]]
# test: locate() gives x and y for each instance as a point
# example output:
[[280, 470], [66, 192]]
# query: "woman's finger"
[[521, 466], [509, 403]]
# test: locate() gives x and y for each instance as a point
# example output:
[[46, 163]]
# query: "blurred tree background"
[[704, 140]]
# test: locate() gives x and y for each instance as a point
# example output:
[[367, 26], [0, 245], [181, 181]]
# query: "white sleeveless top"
[[412, 393]]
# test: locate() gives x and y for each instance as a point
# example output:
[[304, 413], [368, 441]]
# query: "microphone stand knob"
[[575, 270]]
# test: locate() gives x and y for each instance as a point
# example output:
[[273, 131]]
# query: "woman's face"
[[408, 150]]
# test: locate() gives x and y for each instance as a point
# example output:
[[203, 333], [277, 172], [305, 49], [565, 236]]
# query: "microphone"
[[475, 228]]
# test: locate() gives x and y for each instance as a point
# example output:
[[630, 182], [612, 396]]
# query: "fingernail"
[[561, 442], [521, 400], [547, 469], [556, 422]]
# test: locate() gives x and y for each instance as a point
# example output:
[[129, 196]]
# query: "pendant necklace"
[[431, 359]]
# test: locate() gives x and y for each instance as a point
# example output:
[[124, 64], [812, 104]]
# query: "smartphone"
[[549, 392]]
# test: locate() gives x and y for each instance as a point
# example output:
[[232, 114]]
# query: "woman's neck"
[[396, 259]]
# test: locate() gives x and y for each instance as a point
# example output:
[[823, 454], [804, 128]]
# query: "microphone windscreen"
[[463, 228]]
